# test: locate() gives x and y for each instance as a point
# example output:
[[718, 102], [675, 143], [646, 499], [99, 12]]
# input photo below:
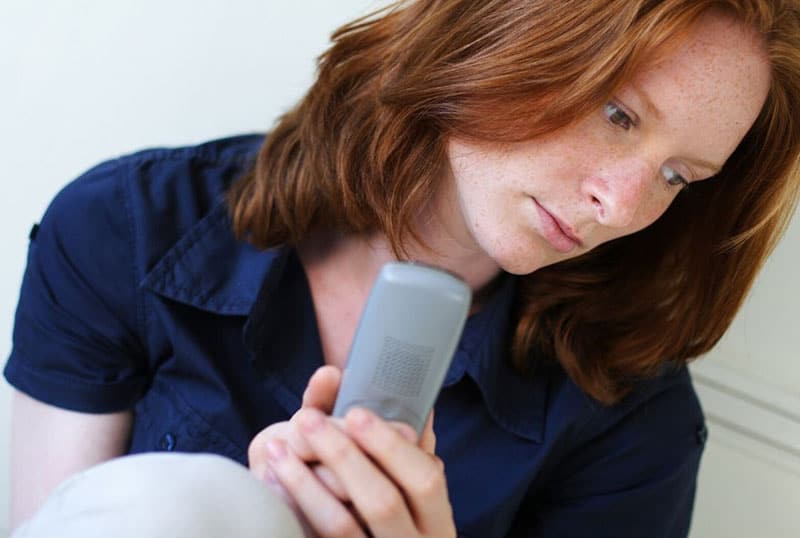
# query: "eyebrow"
[[655, 111]]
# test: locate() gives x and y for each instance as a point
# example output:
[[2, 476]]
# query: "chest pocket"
[[165, 422]]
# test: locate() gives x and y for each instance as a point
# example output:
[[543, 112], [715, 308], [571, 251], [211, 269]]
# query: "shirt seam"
[[141, 315], [180, 251], [211, 431], [66, 378], [207, 155], [101, 397]]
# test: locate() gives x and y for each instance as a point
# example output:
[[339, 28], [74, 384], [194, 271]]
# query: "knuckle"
[[384, 508], [338, 452], [341, 526], [256, 450], [331, 481], [293, 419], [387, 438], [294, 477], [432, 483], [450, 532], [390, 435]]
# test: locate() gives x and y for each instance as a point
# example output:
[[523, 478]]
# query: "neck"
[[355, 260], [341, 269]]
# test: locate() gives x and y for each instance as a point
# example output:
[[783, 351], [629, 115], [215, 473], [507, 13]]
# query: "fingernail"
[[310, 421], [269, 477], [361, 418], [409, 433], [275, 450]]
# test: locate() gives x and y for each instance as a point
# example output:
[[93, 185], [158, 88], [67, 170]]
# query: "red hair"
[[364, 150]]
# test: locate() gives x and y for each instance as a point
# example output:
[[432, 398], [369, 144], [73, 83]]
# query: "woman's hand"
[[395, 487], [319, 394], [344, 477]]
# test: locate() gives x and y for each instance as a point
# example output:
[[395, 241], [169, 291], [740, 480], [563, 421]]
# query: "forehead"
[[714, 80]]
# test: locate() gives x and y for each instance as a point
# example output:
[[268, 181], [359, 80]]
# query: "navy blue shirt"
[[137, 296]]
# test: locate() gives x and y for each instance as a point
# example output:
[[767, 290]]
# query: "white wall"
[[86, 80]]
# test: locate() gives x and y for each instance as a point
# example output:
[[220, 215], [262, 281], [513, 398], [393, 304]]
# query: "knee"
[[176, 495]]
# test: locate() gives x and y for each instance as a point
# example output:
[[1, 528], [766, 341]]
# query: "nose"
[[617, 192]]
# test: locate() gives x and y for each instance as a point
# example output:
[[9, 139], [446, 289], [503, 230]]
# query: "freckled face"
[[530, 204]]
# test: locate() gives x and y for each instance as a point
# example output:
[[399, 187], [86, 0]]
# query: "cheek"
[[650, 212], [565, 161]]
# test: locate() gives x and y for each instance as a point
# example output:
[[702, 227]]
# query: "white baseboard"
[[750, 414]]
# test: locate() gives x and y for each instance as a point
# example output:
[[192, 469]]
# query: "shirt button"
[[167, 442], [702, 435]]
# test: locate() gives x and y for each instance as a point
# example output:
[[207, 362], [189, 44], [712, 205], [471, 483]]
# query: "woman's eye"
[[617, 116], [673, 178]]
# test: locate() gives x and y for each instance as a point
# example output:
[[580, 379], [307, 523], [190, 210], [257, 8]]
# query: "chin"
[[522, 269], [517, 251], [522, 261]]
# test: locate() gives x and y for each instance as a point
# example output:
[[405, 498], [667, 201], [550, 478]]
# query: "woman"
[[606, 176]]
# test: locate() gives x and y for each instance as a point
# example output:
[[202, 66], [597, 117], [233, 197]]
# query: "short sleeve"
[[635, 480], [76, 343]]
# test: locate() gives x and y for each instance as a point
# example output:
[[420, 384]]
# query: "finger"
[[419, 474], [406, 430], [285, 431], [297, 442], [330, 480], [322, 389], [272, 481], [428, 438], [374, 496], [325, 514], [274, 484], [259, 466], [256, 451]]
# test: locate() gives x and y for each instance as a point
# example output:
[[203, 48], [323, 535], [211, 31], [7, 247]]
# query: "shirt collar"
[[281, 332], [514, 400], [210, 270]]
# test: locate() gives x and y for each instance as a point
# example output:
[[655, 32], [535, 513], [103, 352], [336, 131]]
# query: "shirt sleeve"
[[76, 343], [634, 480]]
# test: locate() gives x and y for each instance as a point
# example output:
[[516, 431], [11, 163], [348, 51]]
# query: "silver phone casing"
[[404, 343]]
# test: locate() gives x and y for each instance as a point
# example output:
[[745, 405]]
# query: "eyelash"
[[673, 178], [617, 116]]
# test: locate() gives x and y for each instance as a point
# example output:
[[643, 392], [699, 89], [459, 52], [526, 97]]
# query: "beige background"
[[86, 80]]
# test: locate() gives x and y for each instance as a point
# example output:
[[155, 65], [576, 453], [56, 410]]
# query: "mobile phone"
[[404, 343]]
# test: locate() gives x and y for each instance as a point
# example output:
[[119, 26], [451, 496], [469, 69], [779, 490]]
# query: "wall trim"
[[749, 413]]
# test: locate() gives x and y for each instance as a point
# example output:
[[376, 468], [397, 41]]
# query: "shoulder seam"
[[141, 316], [202, 151]]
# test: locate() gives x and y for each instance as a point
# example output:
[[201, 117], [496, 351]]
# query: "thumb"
[[322, 389]]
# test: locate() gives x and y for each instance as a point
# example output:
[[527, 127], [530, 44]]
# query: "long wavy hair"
[[365, 148]]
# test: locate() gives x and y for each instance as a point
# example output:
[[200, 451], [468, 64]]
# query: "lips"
[[557, 233], [566, 230]]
